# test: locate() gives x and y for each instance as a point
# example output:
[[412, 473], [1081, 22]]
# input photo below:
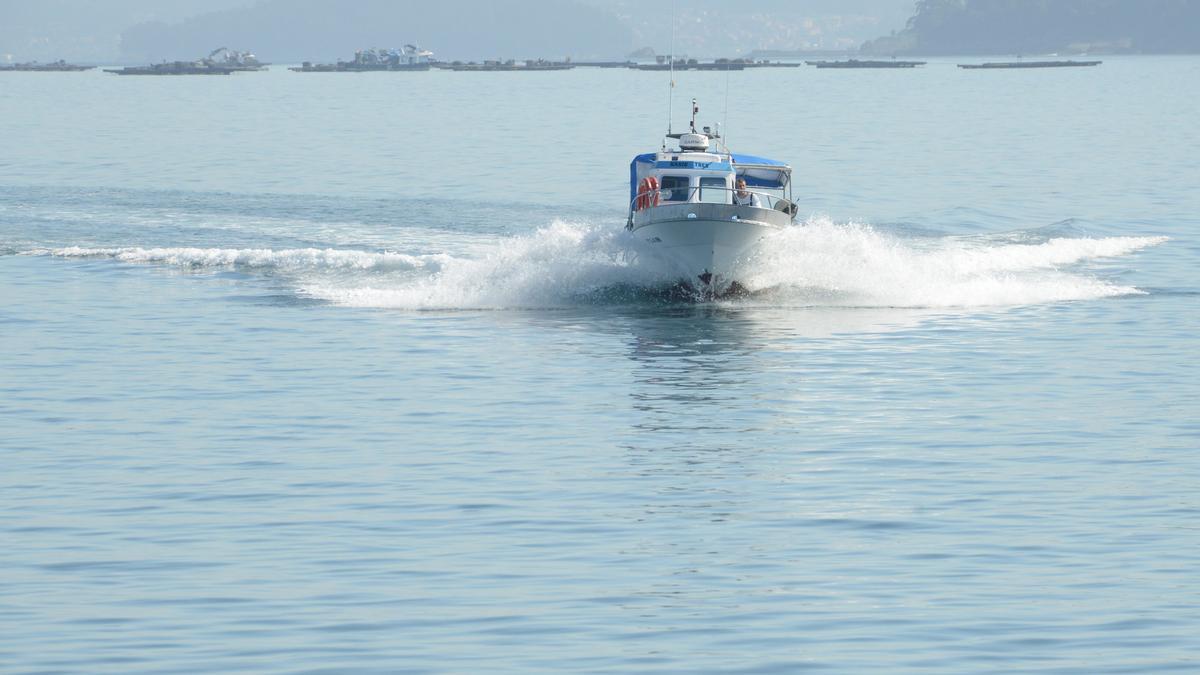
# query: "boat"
[[234, 60], [684, 202], [173, 68], [408, 58], [220, 61], [604, 64], [748, 63], [34, 66], [509, 66], [663, 64], [855, 63], [1028, 64]]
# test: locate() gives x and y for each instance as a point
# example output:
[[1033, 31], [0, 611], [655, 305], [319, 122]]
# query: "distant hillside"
[[723, 28], [84, 30], [291, 30], [325, 30], [1046, 26]]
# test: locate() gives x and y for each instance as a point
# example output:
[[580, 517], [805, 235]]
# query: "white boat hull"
[[708, 245]]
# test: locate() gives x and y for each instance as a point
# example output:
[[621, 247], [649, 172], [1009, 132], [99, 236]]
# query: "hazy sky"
[[703, 25], [91, 29], [86, 29]]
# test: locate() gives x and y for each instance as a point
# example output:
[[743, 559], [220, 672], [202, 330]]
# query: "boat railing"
[[650, 199]]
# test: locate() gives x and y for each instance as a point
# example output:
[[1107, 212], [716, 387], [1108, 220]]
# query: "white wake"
[[821, 263]]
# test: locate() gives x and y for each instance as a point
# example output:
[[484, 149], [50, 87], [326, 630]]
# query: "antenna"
[[725, 121], [671, 97]]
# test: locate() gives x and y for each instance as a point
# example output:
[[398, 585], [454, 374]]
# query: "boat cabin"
[[693, 174]]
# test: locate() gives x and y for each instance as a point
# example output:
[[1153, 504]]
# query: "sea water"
[[360, 373]]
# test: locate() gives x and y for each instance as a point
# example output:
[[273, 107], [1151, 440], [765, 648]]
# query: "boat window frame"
[[723, 190], [685, 185]]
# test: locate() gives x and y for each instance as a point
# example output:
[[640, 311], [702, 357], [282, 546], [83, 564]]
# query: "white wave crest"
[[856, 265], [286, 260], [557, 266], [821, 263]]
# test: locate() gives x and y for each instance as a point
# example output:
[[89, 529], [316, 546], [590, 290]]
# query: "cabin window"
[[713, 190], [674, 188]]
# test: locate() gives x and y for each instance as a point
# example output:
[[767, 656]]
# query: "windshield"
[[674, 188], [716, 192]]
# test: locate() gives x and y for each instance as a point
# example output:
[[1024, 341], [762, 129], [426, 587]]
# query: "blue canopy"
[[758, 171], [647, 160], [751, 159], [761, 171]]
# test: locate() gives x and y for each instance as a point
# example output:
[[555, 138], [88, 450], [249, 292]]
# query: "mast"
[[671, 95]]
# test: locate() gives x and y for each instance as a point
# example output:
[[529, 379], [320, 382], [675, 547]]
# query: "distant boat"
[[773, 64], [173, 68], [1027, 64], [405, 59], [511, 65], [220, 61], [34, 66], [693, 64], [604, 64], [855, 63], [232, 59]]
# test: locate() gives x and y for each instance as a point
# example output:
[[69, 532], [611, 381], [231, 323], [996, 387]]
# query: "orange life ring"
[[647, 194]]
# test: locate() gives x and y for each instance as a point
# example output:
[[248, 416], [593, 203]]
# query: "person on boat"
[[744, 197]]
